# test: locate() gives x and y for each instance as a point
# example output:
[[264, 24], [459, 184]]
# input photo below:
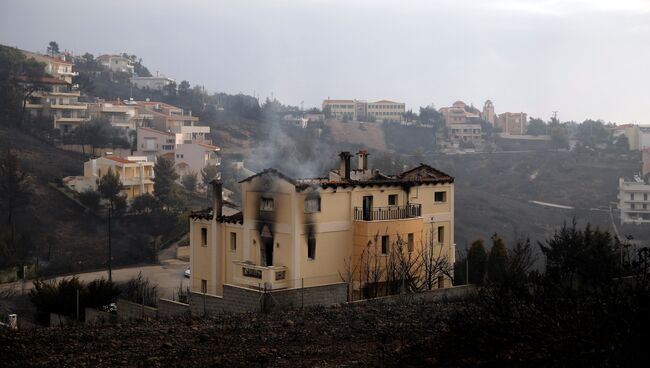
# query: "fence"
[[304, 292], [387, 213]]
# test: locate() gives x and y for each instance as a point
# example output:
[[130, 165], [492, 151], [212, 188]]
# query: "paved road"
[[168, 276]]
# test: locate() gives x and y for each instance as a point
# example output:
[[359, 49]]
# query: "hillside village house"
[[634, 195], [513, 123], [383, 110], [136, 175], [464, 125], [307, 232], [116, 63], [124, 115], [155, 83], [56, 97], [193, 157]]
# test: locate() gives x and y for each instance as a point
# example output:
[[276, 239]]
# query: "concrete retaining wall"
[[97, 317], [183, 252], [127, 310], [238, 299], [435, 295], [169, 308]]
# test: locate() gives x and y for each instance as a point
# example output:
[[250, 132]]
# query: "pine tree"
[[164, 186], [477, 260], [497, 260]]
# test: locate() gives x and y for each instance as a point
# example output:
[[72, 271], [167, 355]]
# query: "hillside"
[[64, 237]]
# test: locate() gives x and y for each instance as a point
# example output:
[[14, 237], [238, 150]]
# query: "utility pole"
[[110, 255]]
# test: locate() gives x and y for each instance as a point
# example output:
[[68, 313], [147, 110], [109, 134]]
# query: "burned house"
[[308, 232]]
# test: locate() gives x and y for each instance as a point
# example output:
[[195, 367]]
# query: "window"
[[312, 205], [266, 204], [441, 234], [204, 237], [441, 282], [645, 196], [384, 245], [632, 206], [632, 196], [311, 248], [392, 199], [410, 242], [233, 242], [440, 197], [204, 286]]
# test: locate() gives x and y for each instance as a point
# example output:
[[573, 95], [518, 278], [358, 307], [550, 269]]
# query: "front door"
[[266, 248], [367, 208]]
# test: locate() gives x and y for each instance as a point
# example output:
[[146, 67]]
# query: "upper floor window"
[[384, 245], [440, 197], [233, 242], [312, 205], [410, 242], [266, 204], [392, 199], [204, 237]]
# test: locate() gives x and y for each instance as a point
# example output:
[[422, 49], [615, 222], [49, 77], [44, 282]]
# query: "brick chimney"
[[362, 160], [217, 197], [344, 165]]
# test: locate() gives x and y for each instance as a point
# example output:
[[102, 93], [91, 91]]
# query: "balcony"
[[69, 106], [387, 213], [269, 277]]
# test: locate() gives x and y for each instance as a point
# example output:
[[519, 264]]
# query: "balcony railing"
[[387, 213], [270, 277]]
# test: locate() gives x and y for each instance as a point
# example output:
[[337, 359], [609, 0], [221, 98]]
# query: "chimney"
[[362, 160], [217, 197], [344, 165]]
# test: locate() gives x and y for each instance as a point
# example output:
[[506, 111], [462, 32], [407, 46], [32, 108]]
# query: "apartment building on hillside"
[[56, 67], [174, 119], [136, 175], [116, 63], [634, 195], [56, 99], [382, 111], [124, 115], [154, 83], [308, 232]]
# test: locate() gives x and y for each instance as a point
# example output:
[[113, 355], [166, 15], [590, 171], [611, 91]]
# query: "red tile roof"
[[119, 159], [208, 146], [156, 131]]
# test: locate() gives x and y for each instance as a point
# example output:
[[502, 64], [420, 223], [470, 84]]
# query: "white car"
[[187, 272]]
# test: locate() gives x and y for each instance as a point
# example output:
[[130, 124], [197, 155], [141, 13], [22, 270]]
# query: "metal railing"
[[387, 213]]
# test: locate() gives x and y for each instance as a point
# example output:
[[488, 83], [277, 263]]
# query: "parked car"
[[187, 273]]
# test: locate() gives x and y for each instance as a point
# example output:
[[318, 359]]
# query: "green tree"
[[592, 133], [477, 260], [190, 180], [145, 203], [14, 187], [536, 126], [53, 48], [90, 198], [164, 186], [577, 257], [497, 260], [110, 186], [622, 143]]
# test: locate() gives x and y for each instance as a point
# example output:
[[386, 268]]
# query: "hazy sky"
[[586, 59]]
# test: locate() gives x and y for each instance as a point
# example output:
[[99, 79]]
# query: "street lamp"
[[110, 255]]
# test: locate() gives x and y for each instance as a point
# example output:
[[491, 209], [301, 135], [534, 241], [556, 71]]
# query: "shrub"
[[140, 290], [90, 198]]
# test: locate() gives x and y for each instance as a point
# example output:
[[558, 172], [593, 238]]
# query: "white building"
[[116, 63], [194, 157], [157, 83], [634, 195]]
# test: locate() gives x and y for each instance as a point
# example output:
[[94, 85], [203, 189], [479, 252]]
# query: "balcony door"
[[266, 248], [367, 208]]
